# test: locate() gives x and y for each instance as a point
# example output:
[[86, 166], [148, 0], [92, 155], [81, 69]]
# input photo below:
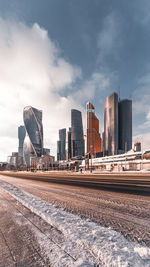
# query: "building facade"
[[46, 151], [45, 162], [137, 147], [125, 125], [33, 142], [111, 125], [21, 136], [61, 145], [68, 145], [77, 140], [15, 160], [117, 125], [94, 142]]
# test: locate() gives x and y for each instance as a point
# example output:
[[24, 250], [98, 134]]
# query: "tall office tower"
[[21, 136], [125, 125], [68, 144], [111, 125], [33, 142], [58, 150], [94, 142], [61, 145], [103, 143], [77, 140]]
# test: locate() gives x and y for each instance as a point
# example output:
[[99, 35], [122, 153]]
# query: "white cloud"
[[141, 97], [32, 72], [97, 83]]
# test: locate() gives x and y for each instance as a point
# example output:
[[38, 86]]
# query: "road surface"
[[124, 212], [134, 182]]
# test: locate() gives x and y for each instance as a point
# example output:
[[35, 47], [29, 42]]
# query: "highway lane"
[[121, 181], [123, 212]]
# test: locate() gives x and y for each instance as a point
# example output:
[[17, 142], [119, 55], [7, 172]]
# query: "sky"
[[58, 54]]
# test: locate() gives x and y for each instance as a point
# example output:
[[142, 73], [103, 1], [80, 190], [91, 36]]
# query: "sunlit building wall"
[[94, 142], [33, 142], [111, 125]]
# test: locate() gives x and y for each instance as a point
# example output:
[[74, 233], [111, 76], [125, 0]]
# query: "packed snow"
[[88, 243]]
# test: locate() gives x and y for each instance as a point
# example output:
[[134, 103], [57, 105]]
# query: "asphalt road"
[[134, 182], [127, 213]]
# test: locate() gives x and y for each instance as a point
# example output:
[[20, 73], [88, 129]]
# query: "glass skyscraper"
[[77, 140], [33, 142], [21, 136], [111, 125], [117, 125], [93, 137], [125, 125], [61, 145], [68, 145]]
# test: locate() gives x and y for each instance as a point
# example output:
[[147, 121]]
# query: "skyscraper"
[[125, 125], [61, 145], [111, 125], [33, 142], [68, 145], [77, 140], [94, 144], [21, 136], [117, 125]]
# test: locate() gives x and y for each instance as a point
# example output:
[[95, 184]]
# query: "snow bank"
[[88, 242]]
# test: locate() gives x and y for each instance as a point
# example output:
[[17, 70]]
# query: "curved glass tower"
[[33, 142]]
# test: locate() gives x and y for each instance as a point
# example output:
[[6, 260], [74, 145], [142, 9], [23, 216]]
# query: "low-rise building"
[[43, 162], [15, 161]]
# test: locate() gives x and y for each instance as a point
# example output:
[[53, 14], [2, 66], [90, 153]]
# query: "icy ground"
[[88, 243]]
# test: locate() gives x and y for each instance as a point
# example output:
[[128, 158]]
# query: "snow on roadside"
[[85, 240]]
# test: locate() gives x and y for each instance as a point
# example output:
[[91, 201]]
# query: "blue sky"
[[90, 47]]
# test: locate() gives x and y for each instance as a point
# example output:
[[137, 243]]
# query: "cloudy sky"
[[58, 54]]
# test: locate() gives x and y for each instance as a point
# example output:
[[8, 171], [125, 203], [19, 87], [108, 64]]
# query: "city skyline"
[[57, 62], [117, 134], [121, 116]]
